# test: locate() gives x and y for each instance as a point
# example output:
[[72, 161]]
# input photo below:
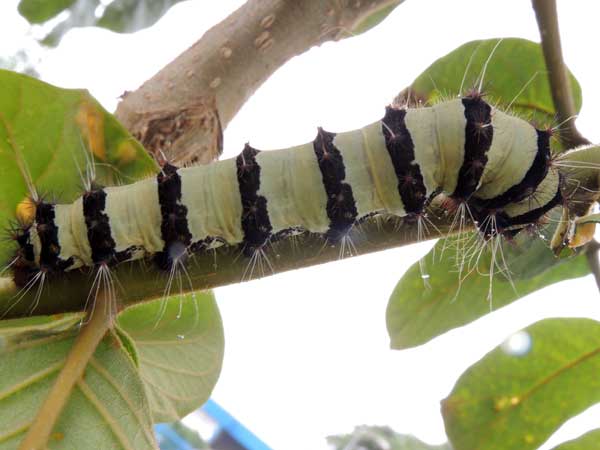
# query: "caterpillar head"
[[581, 191]]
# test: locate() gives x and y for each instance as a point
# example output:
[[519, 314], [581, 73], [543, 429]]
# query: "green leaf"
[[515, 75], [416, 314], [127, 16], [20, 330], [588, 441], [47, 135], [107, 409], [27, 326], [375, 18], [123, 16], [39, 11], [516, 401], [180, 347]]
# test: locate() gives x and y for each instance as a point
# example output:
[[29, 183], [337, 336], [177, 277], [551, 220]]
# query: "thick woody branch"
[[547, 19], [182, 110]]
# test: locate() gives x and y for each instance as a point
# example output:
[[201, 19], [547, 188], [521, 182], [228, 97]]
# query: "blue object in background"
[[229, 433], [228, 425], [164, 432]]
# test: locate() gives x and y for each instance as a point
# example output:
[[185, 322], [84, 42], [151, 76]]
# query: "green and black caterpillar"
[[497, 165]]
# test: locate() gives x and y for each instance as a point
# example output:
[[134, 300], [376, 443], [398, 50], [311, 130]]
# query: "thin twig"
[[560, 85], [83, 348], [562, 95], [591, 253]]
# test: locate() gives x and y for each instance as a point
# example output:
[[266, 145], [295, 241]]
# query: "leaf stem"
[[90, 335], [560, 85], [591, 253]]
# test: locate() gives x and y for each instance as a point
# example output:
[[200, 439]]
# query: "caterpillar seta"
[[476, 157]]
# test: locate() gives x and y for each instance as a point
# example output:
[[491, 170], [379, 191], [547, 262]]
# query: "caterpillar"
[[496, 165]]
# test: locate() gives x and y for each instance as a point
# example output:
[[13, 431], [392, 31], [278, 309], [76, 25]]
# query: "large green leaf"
[[46, 133], [107, 409], [515, 75], [515, 401], [589, 441], [124, 16], [179, 344], [416, 314]]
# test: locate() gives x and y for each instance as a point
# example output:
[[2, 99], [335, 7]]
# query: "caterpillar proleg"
[[496, 165]]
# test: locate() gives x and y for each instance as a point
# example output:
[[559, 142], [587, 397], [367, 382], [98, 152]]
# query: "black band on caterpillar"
[[255, 217], [534, 215], [401, 149], [98, 229], [478, 139], [534, 176], [341, 207], [47, 232], [174, 226]]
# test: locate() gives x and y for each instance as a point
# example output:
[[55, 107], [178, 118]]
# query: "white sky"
[[307, 352]]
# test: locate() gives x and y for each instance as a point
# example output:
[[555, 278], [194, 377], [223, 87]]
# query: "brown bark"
[[182, 110]]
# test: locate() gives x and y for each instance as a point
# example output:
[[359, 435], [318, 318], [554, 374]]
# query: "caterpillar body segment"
[[496, 164]]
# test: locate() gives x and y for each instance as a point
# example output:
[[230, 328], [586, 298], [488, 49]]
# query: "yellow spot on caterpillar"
[[126, 152], [91, 124], [25, 212], [528, 438]]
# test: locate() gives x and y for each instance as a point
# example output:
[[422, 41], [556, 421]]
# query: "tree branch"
[[547, 19], [591, 253], [560, 85], [182, 110]]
